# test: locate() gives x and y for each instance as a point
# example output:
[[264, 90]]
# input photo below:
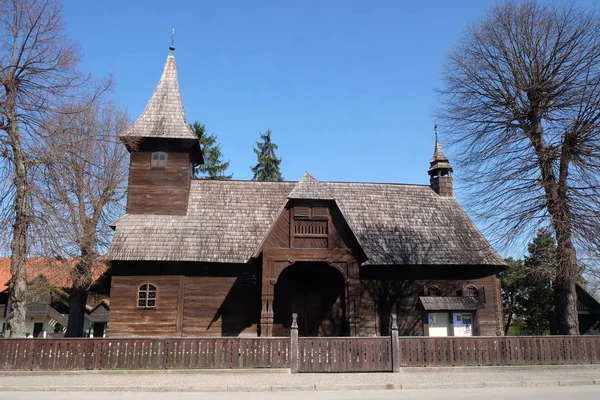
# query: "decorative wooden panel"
[[302, 212], [320, 212], [310, 228]]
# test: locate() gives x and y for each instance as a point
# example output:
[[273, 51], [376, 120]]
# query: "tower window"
[[159, 160], [146, 296]]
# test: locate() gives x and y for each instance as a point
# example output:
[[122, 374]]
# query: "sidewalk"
[[282, 380]]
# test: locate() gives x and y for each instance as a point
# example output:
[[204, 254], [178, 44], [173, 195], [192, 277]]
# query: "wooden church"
[[236, 258]]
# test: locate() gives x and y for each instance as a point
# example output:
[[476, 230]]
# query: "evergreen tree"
[[267, 167], [527, 291], [214, 167]]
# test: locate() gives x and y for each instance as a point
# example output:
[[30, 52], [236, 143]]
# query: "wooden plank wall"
[[126, 319], [147, 353], [220, 306], [155, 191]]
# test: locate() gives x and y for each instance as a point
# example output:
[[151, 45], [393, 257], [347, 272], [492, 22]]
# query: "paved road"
[[553, 393]]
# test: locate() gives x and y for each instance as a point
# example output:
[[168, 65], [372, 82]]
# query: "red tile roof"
[[55, 271]]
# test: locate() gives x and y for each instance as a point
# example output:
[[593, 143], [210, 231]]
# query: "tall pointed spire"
[[438, 154], [440, 170], [163, 116]]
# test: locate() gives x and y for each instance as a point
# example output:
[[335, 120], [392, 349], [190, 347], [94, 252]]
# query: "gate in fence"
[[345, 354]]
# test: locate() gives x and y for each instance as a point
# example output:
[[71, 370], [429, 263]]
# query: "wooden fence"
[[357, 354], [521, 350], [343, 354], [44, 354]]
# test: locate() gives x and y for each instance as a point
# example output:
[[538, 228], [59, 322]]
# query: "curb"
[[285, 371], [306, 388]]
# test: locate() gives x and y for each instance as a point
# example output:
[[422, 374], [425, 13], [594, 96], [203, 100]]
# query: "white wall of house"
[[30, 323]]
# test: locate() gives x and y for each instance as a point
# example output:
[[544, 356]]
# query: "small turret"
[[440, 171]]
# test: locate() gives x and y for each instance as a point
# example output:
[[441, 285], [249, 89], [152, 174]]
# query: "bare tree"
[[83, 190], [521, 103], [37, 65]]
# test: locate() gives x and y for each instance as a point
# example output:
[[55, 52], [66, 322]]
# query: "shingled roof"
[[309, 188], [163, 116], [227, 221], [432, 303]]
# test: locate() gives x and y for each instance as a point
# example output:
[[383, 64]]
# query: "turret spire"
[[172, 47], [440, 170]]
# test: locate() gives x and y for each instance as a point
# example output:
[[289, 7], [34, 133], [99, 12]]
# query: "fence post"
[[395, 346], [294, 344]]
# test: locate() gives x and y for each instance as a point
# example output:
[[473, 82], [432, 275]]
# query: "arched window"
[[434, 291], [471, 291], [159, 160], [147, 296]]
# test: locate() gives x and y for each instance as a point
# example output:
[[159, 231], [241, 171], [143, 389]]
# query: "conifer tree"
[[527, 291], [267, 167], [214, 167]]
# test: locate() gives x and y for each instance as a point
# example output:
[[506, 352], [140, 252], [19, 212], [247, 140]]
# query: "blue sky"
[[347, 87]]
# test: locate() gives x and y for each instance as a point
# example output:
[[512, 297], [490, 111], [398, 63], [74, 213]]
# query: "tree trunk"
[[77, 302], [508, 322], [18, 245], [565, 303], [81, 276], [567, 272]]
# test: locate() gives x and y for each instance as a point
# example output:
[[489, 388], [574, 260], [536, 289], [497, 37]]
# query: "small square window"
[[159, 160]]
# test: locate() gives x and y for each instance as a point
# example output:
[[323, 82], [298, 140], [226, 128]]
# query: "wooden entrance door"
[[309, 307], [315, 291]]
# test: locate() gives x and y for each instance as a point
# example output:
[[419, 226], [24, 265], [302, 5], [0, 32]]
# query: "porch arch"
[[276, 261], [316, 291]]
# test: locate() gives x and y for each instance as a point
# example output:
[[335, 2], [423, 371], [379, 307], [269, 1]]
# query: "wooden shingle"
[[226, 222]]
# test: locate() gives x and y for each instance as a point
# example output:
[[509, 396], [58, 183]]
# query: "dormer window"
[[159, 160]]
